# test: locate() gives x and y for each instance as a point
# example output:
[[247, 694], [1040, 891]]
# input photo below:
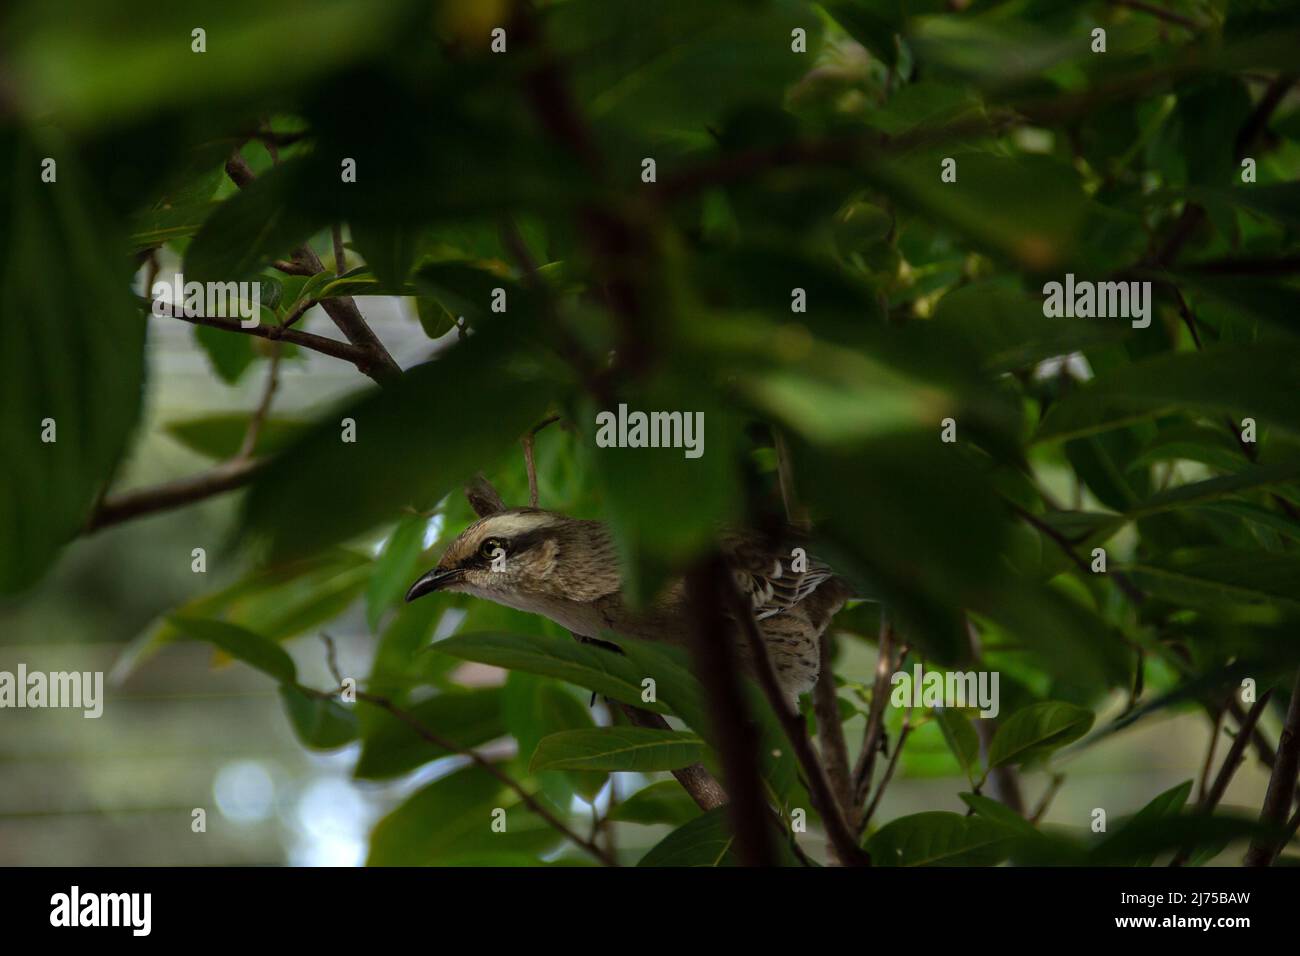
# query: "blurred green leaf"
[[939, 838], [659, 803], [451, 819], [221, 436], [641, 749], [423, 428], [72, 365], [391, 747], [242, 644], [320, 724], [1036, 731]]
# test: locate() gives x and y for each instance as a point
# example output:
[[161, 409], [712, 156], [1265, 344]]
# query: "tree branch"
[[307, 340], [114, 509], [374, 360], [865, 767], [528, 799], [717, 669], [1160, 13], [792, 722], [1281, 784], [703, 788], [1231, 762], [889, 770]]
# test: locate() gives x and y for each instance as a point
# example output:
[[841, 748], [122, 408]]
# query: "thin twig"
[[889, 770], [256, 423], [374, 361], [865, 767], [1229, 767], [1049, 795], [530, 462], [1159, 13], [1281, 784], [1209, 754]]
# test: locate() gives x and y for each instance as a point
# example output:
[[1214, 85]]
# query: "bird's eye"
[[488, 548]]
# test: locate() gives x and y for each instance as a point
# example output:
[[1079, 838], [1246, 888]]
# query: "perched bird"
[[567, 569]]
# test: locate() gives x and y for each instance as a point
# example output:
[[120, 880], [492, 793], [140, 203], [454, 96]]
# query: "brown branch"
[[249, 444], [307, 340], [114, 509], [830, 732], [1159, 13], [1231, 762], [796, 730], [1049, 795], [703, 788], [1281, 784], [374, 360], [889, 770], [528, 799], [1204, 785], [865, 767], [292, 268], [530, 461], [717, 668]]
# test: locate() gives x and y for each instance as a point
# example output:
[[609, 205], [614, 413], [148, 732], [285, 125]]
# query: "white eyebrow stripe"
[[513, 524]]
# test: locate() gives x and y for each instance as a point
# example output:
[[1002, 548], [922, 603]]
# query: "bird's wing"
[[765, 572]]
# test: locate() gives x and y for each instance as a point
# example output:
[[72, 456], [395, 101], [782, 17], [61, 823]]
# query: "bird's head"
[[521, 554]]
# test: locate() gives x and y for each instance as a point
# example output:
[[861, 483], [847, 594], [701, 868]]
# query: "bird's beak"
[[432, 581]]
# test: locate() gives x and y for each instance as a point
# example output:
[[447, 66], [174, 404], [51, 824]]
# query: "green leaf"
[[659, 64], [705, 841], [1249, 478], [242, 644], [391, 747], [535, 707], [451, 820], [708, 841], [230, 353], [253, 226], [1167, 804], [999, 813], [620, 676], [1004, 326], [939, 838], [423, 429], [641, 749], [221, 436], [434, 317], [586, 665], [320, 724], [659, 803], [961, 739], [72, 364], [396, 567], [1250, 379], [1213, 577], [388, 249], [1036, 731]]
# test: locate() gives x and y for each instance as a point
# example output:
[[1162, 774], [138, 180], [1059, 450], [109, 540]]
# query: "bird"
[[567, 570]]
